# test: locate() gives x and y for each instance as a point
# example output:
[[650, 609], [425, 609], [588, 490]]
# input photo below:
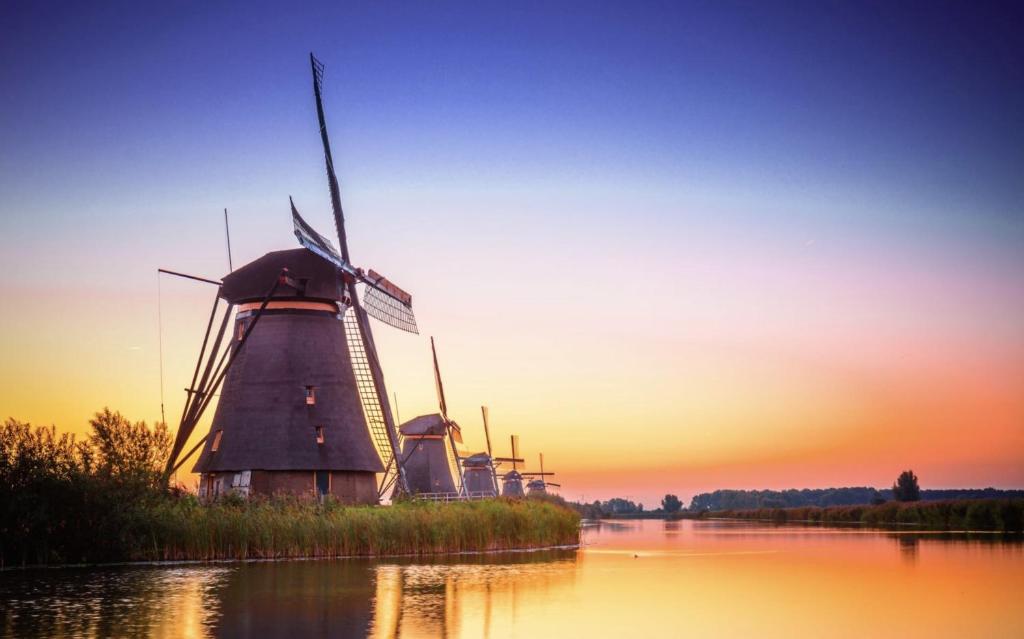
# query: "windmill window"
[[216, 441], [320, 434], [310, 395], [241, 330]]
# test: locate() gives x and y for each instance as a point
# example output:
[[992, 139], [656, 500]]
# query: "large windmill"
[[429, 453], [303, 404]]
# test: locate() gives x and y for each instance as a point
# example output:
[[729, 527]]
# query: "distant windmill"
[[429, 454], [478, 469], [538, 485], [303, 404], [512, 481]]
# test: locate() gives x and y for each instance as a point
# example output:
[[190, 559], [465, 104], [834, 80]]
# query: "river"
[[629, 579]]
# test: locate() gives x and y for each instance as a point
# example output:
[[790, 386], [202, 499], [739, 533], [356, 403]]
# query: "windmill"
[[303, 407], [478, 469], [385, 301], [512, 481], [538, 485], [429, 453]]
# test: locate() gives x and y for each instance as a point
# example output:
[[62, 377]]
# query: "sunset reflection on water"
[[629, 578]]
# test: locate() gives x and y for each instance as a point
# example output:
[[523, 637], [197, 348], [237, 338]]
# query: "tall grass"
[[999, 515], [184, 529], [103, 500]]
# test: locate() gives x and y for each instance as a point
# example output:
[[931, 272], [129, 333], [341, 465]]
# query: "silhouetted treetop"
[[906, 487], [671, 504]]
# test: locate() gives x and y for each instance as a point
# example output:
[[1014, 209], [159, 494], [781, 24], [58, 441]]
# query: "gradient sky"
[[675, 247]]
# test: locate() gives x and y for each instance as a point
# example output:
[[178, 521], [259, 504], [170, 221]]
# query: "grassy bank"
[[282, 528], [999, 515], [102, 499], [176, 528]]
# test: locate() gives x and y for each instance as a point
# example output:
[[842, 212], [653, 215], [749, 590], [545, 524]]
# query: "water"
[[635, 578]]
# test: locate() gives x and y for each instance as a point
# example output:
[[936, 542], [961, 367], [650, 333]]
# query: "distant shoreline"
[[954, 515]]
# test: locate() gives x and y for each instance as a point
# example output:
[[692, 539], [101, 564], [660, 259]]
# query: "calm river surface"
[[630, 579]]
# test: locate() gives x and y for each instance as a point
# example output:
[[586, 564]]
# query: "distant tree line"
[[821, 497], [992, 514], [617, 506], [620, 507]]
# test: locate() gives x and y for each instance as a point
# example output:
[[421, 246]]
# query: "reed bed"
[[997, 515], [104, 500], [184, 529]]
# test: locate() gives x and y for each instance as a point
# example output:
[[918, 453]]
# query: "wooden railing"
[[447, 497]]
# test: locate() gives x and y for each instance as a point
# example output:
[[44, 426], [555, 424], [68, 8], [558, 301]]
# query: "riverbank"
[[996, 515], [278, 529], [104, 500], [183, 529]]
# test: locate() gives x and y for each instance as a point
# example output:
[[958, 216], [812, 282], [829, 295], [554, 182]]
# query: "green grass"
[[998, 515], [184, 529]]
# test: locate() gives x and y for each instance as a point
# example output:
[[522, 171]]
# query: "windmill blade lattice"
[[386, 308]]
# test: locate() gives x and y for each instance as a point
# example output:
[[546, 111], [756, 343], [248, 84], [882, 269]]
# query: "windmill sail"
[[332, 178], [383, 300], [454, 429], [387, 303], [394, 474], [313, 240]]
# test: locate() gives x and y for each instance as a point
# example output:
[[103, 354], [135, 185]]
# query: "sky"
[[673, 246]]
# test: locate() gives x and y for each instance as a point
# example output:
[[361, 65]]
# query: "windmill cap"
[[250, 283], [432, 424], [477, 460]]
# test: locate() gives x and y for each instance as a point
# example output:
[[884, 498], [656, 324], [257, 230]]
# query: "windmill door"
[[323, 482]]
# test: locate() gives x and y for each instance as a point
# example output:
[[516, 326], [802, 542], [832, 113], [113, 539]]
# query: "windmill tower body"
[[512, 484], [536, 487], [290, 419], [425, 456], [478, 474]]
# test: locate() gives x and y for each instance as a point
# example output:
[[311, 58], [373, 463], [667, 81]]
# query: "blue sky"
[[919, 103]]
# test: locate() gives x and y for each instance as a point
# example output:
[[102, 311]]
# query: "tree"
[[126, 450], [671, 504], [906, 487], [618, 505]]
